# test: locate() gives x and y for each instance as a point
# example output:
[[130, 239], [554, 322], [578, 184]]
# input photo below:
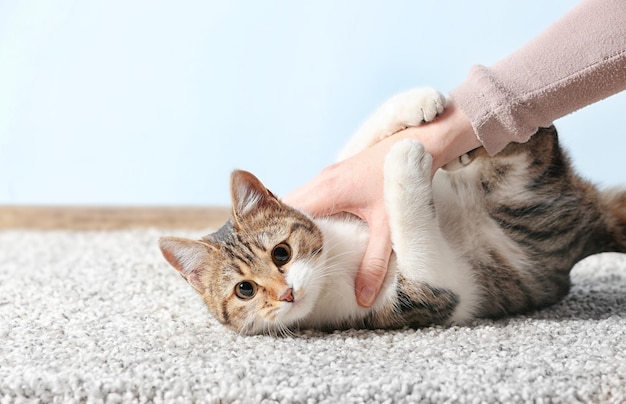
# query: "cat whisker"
[[249, 324], [284, 330]]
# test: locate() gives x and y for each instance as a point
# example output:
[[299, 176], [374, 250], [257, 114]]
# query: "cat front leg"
[[432, 279], [410, 206], [404, 110]]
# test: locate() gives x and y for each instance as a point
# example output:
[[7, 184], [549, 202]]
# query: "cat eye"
[[245, 290], [281, 254]]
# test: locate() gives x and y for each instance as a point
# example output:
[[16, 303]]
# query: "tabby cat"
[[489, 237]]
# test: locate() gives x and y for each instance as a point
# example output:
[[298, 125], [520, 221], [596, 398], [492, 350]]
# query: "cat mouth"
[[296, 307]]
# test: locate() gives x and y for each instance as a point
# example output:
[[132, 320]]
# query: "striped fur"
[[492, 236], [554, 217]]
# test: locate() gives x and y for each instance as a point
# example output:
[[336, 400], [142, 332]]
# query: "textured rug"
[[100, 317]]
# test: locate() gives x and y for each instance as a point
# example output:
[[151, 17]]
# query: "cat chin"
[[305, 279], [293, 314]]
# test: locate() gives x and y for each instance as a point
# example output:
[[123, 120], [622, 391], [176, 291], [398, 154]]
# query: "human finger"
[[375, 262]]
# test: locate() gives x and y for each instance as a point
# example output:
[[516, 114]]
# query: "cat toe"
[[427, 104], [408, 159], [432, 104]]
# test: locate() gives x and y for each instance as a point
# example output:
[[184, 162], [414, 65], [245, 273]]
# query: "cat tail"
[[614, 204]]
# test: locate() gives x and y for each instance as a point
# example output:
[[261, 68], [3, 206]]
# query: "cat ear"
[[189, 257], [249, 194]]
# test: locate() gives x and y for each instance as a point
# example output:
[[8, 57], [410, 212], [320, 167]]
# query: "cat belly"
[[337, 306], [345, 241]]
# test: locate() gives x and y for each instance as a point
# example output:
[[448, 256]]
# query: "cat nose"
[[287, 296]]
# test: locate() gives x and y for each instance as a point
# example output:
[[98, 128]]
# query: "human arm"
[[578, 60], [355, 185]]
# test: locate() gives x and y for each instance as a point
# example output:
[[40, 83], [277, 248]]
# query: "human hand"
[[355, 185]]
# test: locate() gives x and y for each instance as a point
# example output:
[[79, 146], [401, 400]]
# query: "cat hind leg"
[[404, 110]]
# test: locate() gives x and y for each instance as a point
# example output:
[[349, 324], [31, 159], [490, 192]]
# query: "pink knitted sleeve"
[[577, 61]]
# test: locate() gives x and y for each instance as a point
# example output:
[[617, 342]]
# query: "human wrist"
[[456, 134], [446, 138]]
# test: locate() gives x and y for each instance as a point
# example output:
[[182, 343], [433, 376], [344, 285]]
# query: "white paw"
[[408, 164], [417, 106], [411, 108]]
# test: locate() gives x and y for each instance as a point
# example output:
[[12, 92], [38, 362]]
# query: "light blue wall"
[[141, 102]]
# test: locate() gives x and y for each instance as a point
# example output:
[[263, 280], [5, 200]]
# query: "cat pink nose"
[[287, 296]]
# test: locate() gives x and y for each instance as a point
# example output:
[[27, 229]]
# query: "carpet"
[[100, 317]]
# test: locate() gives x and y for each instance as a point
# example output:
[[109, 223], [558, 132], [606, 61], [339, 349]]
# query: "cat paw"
[[418, 106], [404, 110], [408, 162]]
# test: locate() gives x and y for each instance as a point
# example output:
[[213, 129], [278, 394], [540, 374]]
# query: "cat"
[[488, 237]]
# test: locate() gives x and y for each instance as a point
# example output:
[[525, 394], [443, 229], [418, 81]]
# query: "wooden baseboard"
[[109, 218]]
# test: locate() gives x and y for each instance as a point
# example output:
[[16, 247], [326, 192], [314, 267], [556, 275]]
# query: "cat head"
[[257, 273]]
